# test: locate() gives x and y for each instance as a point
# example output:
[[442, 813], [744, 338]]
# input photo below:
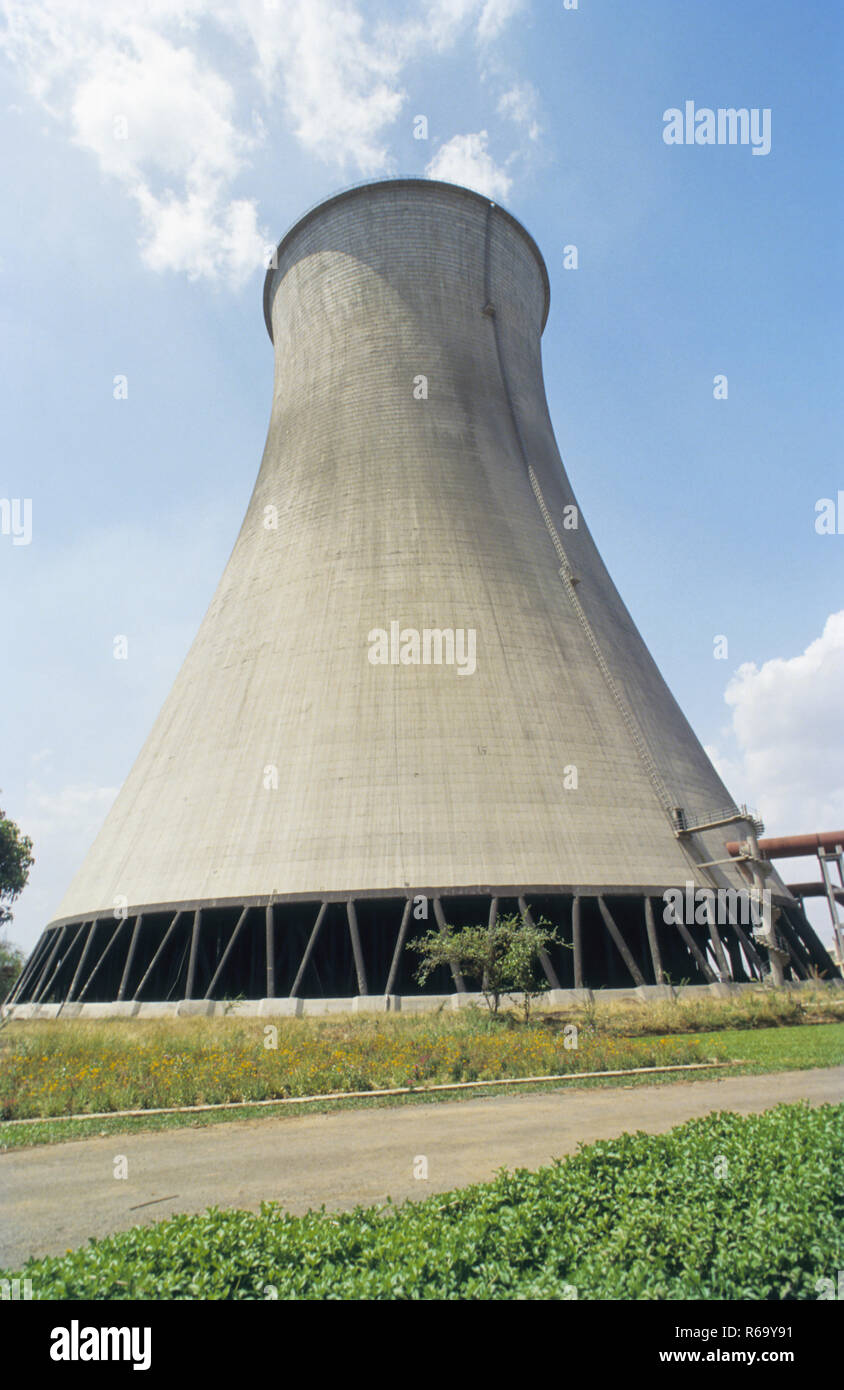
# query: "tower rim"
[[371, 185]]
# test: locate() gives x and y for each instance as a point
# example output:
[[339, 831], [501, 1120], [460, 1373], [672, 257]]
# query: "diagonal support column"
[[77, 975], [627, 957], [130, 957], [799, 956], [754, 960], [78, 937], [715, 938], [544, 958], [60, 960], [697, 953], [360, 968], [227, 952], [156, 957], [653, 942], [103, 958], [46, 977], [309, 949], [400, 939], [31, 969]]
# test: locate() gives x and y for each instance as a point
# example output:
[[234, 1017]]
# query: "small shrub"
[[503, 958]]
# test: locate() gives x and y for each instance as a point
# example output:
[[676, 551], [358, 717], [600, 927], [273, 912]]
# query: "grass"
[[755, 1046], [786, 1049], [689, 1013], [64, 1130], [56, 1068], [726, 1207]]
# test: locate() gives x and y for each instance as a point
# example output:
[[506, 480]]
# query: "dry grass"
[[692, 1013]]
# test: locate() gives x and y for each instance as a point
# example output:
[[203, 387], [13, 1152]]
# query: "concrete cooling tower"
[[416, 697]]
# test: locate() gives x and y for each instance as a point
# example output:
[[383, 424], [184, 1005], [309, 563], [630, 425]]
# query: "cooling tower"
[[416, 697]]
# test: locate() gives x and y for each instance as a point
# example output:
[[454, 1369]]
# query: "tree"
[[16, 860], [504, 958], [11, 964]]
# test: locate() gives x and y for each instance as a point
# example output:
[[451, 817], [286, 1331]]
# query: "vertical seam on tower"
[[565, 571]]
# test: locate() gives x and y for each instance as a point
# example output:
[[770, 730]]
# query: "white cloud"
[[785, 753], [439, 24], [201, 235], [156, 116], [519, 104], [169, 74], [464, 159], [341, 78], [495, 16], [786, 746], [178, 113], [340, 89]]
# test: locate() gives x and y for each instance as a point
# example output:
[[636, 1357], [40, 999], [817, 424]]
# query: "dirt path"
[[55, 1197]]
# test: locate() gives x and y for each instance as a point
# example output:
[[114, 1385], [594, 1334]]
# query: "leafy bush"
[[503, 957], [16, 860], [728, 1207], [12, 960]]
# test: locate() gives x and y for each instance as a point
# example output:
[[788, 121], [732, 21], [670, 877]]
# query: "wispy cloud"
[[174, 98], [337, 80], [495, 16], [520, 104], [465, 159], [133, 88]]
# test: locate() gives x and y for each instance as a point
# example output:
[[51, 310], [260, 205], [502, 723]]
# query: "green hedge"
[[727, 1207]]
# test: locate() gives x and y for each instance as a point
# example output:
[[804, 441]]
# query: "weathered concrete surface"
[[421, 511], [410, 477], [55, 1198]]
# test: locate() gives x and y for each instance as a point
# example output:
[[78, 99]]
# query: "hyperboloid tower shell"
[[416, 696]]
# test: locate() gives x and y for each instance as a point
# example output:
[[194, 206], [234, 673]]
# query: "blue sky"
[[141, 256]]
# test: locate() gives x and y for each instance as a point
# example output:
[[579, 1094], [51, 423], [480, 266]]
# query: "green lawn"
[[784, 1049]]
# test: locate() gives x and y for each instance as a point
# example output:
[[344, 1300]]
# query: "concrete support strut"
[[228, 954]]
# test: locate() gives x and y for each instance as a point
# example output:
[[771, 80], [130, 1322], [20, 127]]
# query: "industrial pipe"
[[794, 846], [814, 890]]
